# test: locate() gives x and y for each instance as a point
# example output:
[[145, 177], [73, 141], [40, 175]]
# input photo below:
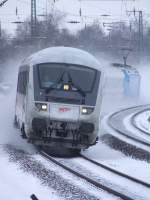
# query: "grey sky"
[[89, 8]]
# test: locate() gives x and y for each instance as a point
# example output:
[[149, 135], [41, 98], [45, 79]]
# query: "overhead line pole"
[[141, 46], [140, 30], [33, 19]]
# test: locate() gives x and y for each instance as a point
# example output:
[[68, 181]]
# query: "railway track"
[[112, 122], [94, 182], [135, 180], [133, 121]]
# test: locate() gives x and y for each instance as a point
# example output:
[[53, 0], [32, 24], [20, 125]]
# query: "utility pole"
[[140, 29], [33, 19], [141, 46], [0, 30]]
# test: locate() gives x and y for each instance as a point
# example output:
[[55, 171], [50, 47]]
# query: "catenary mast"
[[33, 19]]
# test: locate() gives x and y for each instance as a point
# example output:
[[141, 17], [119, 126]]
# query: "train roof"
[[66, 55]]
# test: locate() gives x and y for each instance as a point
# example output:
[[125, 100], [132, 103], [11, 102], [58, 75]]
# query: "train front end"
[[66, 108]]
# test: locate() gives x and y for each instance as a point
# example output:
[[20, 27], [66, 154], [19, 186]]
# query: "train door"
[[21, 101], [25, 94]]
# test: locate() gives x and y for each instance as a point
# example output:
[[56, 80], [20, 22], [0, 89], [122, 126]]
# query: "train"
[[59, 97]]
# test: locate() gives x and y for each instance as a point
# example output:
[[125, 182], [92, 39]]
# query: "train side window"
[[18, 83], [19, 87], [25, 81], [22, 82]]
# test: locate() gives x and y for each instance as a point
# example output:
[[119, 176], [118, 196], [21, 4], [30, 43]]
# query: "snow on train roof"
[[64, 55]]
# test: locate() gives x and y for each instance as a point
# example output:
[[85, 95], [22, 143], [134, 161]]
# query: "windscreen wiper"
[[53, 87], [79, 90]]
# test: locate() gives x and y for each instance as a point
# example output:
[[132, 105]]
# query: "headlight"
[[41, 106], [66, 87], [86, 110], [44, 107]]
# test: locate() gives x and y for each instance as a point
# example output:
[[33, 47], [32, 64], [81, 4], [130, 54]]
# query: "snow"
[[116, 160], [95, 152], [142, 121], [119, 161], [132, 167], [114, 89], [124, 124], [118, 183], [15, 185], [64, 55], [100, 194], [135, 132], [9, 134]]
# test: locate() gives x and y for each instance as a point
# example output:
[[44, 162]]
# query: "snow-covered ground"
[[16, 184], [142, 121], [118, 183], [22, 183], [114, 159], [135, 132], [130, 134]]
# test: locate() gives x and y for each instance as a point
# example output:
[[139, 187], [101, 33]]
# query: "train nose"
[[64, 112]]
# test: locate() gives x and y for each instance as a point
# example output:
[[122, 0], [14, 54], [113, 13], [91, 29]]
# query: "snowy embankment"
[[16, 184], [116, 160]]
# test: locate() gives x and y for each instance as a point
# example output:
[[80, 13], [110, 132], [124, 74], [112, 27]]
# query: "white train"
[[59, 95]]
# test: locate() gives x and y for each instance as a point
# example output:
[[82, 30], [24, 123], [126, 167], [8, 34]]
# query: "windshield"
[[66, 83], [54, 75]]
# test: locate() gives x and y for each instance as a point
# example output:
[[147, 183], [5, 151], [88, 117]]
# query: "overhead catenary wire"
[[84, 17]]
